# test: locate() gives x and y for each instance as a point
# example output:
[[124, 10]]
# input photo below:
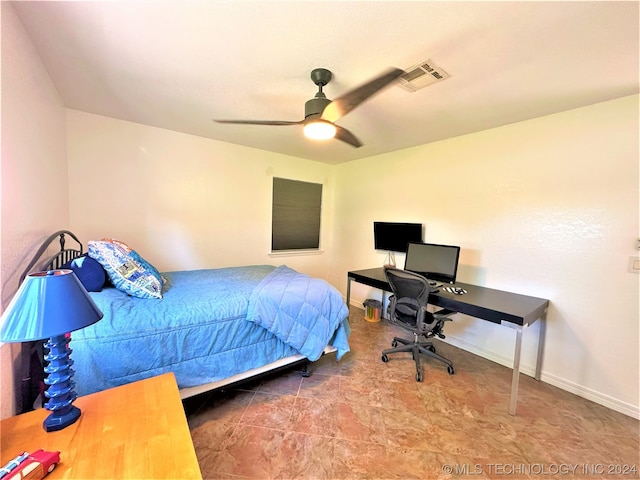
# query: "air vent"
[[422, 75]]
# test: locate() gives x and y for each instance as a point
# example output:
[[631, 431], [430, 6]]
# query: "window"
[[295, 223]]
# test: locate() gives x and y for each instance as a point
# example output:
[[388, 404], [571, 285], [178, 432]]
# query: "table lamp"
[[50, 305]]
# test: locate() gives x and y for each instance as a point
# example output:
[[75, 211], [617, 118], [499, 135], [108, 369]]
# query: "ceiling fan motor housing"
[[316, 105]]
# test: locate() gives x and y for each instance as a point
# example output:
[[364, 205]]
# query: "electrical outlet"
[[634, 264]]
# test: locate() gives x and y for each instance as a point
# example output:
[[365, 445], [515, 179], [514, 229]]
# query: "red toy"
[[32, 466]]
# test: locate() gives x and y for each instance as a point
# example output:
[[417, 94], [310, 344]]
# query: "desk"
[[135, 431], [509, 309]]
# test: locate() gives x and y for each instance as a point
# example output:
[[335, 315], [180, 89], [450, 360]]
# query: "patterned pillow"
[[136, 256], [126, 269]]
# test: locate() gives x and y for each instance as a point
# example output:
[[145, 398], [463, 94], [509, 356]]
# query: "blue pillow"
[[90, 273]]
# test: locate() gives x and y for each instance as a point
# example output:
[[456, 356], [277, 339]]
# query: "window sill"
[[292, 253]]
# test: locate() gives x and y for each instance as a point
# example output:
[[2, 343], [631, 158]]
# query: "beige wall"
[[548, 208], [34, 201], [183, 202]]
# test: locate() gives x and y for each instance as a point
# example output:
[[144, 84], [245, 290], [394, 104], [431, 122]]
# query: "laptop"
[[437, 263]]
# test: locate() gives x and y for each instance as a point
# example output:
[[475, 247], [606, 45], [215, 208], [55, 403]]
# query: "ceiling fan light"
[[319, 130]]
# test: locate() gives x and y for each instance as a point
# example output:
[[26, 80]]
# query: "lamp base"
[[55, 421], [60, 392]]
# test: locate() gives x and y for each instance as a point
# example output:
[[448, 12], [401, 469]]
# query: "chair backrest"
[[411, 292]]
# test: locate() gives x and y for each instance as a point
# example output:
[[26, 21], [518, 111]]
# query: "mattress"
[[199, 330]]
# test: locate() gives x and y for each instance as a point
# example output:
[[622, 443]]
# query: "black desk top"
[[480, 302]]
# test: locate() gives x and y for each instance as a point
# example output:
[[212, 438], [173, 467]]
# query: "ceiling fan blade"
[[259, 122], [347, 137], [350, 100]]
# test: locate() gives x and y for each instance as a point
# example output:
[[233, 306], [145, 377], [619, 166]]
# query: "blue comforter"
[[302, 311], [200, 330]]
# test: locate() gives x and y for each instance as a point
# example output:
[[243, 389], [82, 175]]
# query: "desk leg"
[[349, 292], [385, 301], [516, 359], [516, 372], [516, 367], [541, 337]]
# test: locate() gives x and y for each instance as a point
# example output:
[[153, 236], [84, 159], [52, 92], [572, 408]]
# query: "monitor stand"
[[390, 260]]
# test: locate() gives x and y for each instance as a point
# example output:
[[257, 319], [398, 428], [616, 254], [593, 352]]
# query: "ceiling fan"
[[320, 113]]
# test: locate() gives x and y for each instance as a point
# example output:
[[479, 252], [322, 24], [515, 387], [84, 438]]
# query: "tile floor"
[[361, 418]]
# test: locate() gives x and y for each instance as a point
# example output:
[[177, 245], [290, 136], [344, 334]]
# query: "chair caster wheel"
[[450, 370], [385, 359], [418, 377], [394, 344]]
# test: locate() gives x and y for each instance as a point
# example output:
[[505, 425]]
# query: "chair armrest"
[[443, 314], [392, 305], [425, 321], [422, 313]]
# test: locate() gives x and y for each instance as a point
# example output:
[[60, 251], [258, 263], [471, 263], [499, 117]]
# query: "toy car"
[[32, 466]]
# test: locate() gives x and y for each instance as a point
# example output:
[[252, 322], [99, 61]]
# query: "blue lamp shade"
[[47, 304], [50, 305]]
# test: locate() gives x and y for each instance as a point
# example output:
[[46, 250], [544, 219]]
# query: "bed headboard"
[[62, 256]]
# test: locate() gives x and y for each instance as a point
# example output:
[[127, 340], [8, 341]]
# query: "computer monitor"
[[394, 236], [436, 262]]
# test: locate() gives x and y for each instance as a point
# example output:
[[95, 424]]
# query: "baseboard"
[[597, 397], [584, 392]]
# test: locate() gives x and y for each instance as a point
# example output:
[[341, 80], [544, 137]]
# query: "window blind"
[[296, 213]]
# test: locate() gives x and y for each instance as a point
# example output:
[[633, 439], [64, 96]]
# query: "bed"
[[211, 327]]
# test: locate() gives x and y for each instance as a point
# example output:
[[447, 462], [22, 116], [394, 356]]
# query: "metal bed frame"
[[62, 256]]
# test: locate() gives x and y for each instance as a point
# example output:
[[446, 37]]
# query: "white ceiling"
[[177, 64]]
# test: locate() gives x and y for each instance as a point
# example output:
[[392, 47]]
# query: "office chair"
[[408, 309]]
